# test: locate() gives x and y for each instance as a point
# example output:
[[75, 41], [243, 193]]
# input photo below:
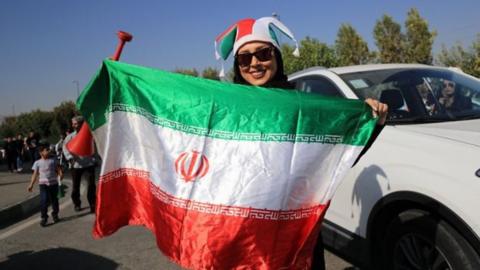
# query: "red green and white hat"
[[247, 30]]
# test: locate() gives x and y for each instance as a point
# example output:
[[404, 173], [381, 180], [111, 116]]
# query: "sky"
[[47, 47]]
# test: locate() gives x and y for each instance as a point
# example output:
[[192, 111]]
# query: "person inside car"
[[428, 98], [451, 99]]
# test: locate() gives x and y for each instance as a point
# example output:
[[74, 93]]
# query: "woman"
[[258, 61], [452, 100]]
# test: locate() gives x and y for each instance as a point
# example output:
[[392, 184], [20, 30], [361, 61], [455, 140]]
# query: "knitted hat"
[[248, 30]]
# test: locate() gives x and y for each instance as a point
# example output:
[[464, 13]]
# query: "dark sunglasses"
[[450, 84], [265, 54]]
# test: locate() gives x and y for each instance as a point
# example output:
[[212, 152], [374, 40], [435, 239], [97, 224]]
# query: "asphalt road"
[[69, 245]]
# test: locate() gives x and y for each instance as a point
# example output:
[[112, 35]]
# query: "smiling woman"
[[258, 62]]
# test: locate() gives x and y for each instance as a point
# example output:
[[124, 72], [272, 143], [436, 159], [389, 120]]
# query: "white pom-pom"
[[222, 72], [296, 52]]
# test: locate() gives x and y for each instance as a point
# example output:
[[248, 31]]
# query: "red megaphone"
[[82, 143]]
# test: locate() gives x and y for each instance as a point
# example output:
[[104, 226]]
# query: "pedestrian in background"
[[11, 154], [32, 145], [59, 150], [80, 165], [46, 170], [20, 146]]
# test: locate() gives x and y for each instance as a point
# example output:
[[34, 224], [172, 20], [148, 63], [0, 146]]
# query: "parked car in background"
[[413, 200]]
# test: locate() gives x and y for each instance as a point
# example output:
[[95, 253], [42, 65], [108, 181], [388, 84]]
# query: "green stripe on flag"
[[223, 110]]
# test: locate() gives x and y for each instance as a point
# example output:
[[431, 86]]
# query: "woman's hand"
[[379, 110]]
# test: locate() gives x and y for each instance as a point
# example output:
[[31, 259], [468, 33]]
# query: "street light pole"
[[78, 87]]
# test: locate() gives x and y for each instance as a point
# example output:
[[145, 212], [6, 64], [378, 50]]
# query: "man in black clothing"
[[32, 145], [11, 154], [80, 165]]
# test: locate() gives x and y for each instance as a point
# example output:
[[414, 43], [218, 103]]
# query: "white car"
[[413, 200]]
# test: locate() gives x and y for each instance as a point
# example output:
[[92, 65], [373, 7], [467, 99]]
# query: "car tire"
[[416, 239]]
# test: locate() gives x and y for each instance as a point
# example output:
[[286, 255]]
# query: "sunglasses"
[[450, 84], [262, 55]]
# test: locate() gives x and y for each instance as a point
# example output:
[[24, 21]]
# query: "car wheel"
[[415, 239]]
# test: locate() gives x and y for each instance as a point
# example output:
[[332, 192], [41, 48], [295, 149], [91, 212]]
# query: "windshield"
[[420, 94]]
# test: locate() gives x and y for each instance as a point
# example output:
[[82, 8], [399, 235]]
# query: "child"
[[46, 170]]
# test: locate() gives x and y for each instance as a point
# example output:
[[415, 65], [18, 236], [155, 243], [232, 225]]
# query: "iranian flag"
[[226, 176]]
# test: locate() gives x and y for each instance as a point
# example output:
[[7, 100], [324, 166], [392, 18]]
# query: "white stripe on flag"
[[263, 175]]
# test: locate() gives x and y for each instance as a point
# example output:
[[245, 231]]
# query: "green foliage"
[[419, 39], [389, 40], [415, 46], [350, 47], [8, 127], [62, 116], [186, 71], [456, 56], [48, 124], [476, 53], [37, 120], [210, 73], [312, 53], [468, 60]]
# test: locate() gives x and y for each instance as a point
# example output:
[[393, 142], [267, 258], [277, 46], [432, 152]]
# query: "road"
[[69, 245]]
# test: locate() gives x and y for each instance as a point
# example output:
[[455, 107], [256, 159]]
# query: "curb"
[[17, 212], [24, 209]]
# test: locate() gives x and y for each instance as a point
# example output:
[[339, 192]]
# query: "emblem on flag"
[[191, 165]]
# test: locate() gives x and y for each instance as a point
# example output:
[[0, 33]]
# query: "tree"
[[419, 39], [211, 73], [476, 53], [8, 128], [468, 60], [40, 122], [37, 121], [48, 124], [191, 72], [62, 116], [389, 40], [312, 53], [350, 48], [453, 57]]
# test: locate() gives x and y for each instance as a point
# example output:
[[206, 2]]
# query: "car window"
[[419, 93], [318, 85]]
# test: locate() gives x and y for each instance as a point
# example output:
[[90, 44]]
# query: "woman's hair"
[[78, 118], [279, 80]]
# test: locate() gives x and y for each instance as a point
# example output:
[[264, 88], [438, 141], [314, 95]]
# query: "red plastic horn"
[[82, 143], [122, 38]]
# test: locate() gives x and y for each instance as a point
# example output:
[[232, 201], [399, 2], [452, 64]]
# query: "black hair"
[[42, 147], [79, 119], [279, 80]]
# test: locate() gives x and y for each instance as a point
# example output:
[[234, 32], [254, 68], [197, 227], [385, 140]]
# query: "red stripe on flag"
[[206, 239]]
